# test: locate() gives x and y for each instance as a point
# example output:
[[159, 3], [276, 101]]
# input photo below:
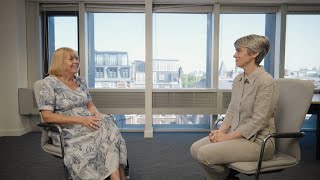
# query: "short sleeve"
[[47, 97]]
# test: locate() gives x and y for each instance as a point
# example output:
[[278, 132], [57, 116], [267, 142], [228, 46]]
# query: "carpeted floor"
[[165, 157]]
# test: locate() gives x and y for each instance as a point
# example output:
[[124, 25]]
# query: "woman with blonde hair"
[[94, 147]]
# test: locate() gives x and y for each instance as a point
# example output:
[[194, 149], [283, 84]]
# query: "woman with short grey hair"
[[250, 115], [254, 44]]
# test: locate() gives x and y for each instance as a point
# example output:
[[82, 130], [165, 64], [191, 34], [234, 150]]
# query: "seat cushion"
[[52, 149], [278, 162]]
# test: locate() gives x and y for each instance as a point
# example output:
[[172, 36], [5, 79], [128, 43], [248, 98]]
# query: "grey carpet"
[[165, 157]]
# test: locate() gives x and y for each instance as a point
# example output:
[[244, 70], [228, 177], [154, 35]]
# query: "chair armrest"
[[54, 128], [288, 135], [275, 135], [215, 125], [50, 126]]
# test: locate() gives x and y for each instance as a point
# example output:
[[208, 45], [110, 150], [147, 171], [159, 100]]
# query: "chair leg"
[[256, 177], [66, 174], [127, 170]]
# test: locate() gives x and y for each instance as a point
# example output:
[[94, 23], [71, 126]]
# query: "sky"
[[183, 37]]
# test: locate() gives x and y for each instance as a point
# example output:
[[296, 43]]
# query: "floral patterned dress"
[[88, 154]]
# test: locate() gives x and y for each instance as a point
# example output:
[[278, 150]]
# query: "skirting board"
[[15, 132]]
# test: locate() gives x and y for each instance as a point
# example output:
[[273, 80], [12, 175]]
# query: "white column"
[[281, 21], [148, 129]]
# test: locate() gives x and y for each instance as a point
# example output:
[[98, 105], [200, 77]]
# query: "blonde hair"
[[58, 56], [255, 44]]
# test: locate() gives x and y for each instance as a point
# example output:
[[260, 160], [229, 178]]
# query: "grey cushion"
[[52, 149], [280, 161]]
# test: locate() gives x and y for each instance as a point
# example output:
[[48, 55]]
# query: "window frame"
[[279, 8], [47, 11]]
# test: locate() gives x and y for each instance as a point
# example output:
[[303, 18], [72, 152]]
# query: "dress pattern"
[[90, 155]]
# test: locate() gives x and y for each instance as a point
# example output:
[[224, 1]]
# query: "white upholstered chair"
[[46, 142], [295, 97]]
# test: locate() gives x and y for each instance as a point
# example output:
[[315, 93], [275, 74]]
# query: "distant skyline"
[[183, 37], [302, 42]]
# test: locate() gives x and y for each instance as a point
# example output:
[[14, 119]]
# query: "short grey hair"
[[255, 44]]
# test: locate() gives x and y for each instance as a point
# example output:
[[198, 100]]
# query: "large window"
[[301, 59], [180, 50], [232, 27], [60, 30], [181, 121], [164, 121], [192, 53], [117, 44], [133, 121]]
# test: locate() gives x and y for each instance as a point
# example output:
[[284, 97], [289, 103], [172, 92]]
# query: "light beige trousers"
[[214, 157]]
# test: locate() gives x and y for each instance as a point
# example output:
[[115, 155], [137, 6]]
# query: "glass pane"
[[62, 32], [66, 32], [181, 121], [232, 27], [117, 54], [179, 50], [301, 60], [133, 121]]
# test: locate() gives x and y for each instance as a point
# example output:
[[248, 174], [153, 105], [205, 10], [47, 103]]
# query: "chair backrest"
[[45, 139], [295, 97], [36, 91]]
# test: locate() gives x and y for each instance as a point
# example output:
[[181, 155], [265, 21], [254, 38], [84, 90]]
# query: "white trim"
[[83, 41], [215, 53], [130, 130], [279, 53], [148, 131], [14, 132], [181, 130]]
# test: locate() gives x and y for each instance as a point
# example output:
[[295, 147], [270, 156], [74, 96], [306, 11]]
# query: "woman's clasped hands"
[[218, 136], [92, 122]]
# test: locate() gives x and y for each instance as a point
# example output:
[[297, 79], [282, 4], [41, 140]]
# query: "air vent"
[[184, 99], [118, 99]]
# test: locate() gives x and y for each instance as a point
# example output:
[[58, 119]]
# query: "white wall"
[[13, 66]]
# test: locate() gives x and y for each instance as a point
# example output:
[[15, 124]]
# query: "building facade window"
[[117, 42], [180, 40], [125, 72], [112, 72], [99, 72]]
